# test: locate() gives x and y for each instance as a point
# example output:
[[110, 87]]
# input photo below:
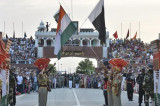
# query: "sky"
[[127, 12]]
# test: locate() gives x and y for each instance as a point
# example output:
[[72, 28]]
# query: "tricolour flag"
[[98, 20], [127, 34], [65, 29], [115, 35], [134, 36]]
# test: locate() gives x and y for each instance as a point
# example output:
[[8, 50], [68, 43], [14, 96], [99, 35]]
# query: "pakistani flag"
[[98, 20], [65, 29]]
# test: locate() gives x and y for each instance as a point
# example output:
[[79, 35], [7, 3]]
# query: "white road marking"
[[75, 95], [20, 96], [136, 94]]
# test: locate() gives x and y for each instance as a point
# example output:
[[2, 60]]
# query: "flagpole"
[[121, 31], [4, 27], [22, 29], [13, 28], [58, 65], [72, 9], [130, 30], [139, 31]]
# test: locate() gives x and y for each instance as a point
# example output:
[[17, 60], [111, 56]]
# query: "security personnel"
[[148, 86], [116, 88], [12, 88], [139, 80], [77, 79], [130, 85], [43, 81]]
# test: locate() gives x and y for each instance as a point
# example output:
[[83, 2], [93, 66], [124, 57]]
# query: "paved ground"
[[73, 97]]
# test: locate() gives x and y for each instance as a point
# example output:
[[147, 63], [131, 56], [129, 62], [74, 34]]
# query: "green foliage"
[[53, 69], [85, 67]]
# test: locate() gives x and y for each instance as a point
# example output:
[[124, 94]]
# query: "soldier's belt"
[[43, 86]]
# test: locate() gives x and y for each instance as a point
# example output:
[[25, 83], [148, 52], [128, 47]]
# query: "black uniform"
[[12, 89], [141, 92], [130, 84], [77, 79]]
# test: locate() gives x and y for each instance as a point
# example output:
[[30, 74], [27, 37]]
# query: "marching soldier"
[[43, 81], [12, 88], [139, 80], [116, 88], [130, 85], [148, 86]]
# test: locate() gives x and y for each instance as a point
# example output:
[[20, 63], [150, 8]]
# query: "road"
[[73, 97]]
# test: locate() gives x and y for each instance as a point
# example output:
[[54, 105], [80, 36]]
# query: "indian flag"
[[65, 29]]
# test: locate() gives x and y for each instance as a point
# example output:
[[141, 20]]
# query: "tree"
[[85, 67], [53, 69]]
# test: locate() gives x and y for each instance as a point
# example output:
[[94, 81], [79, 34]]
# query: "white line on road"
[[136, 94], [77, 101], [20, 96]]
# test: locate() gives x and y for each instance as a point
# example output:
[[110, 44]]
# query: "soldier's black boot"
[[139, 104], [146, 104]]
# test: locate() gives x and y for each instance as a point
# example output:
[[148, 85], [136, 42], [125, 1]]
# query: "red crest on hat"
[[117, 62], [42, 63]]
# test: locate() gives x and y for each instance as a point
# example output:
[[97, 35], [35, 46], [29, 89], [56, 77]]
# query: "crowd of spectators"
[[22, 50], [76, 81], [134, 51], [26, 80]]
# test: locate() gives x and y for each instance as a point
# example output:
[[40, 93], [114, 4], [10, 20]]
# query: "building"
[[86, 37]]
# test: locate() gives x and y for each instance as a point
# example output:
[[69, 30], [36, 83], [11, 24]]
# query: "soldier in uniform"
[[130, 85], [116, 87], [139, 80], [43, 81], [62, 81], [148, 86], [12, 88], [77, 79], [109, 76]]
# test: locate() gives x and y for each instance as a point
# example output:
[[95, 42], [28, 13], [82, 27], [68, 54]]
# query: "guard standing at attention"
[[139, 80], [130, 85], [148, 86], [12, 88]]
